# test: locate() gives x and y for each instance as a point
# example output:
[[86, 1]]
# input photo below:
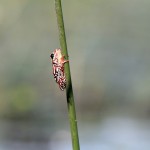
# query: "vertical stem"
[[69, 90]]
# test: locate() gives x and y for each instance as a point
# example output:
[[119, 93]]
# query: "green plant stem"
[[69, 90]]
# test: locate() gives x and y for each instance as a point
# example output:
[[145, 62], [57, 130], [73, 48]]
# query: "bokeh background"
[[109, 51]]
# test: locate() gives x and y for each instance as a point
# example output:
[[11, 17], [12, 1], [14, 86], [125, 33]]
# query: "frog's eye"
[[52, 56]]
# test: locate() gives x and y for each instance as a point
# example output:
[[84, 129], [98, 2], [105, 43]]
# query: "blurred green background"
[[109, 50]]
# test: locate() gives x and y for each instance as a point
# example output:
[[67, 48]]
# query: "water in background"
[[108, 43]]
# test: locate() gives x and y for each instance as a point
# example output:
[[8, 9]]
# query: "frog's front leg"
[[64, 60]]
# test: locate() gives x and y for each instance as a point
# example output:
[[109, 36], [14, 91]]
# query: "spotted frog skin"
[[58, 61]]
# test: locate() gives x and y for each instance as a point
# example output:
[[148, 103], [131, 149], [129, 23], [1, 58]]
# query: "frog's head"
[[56, 56]]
